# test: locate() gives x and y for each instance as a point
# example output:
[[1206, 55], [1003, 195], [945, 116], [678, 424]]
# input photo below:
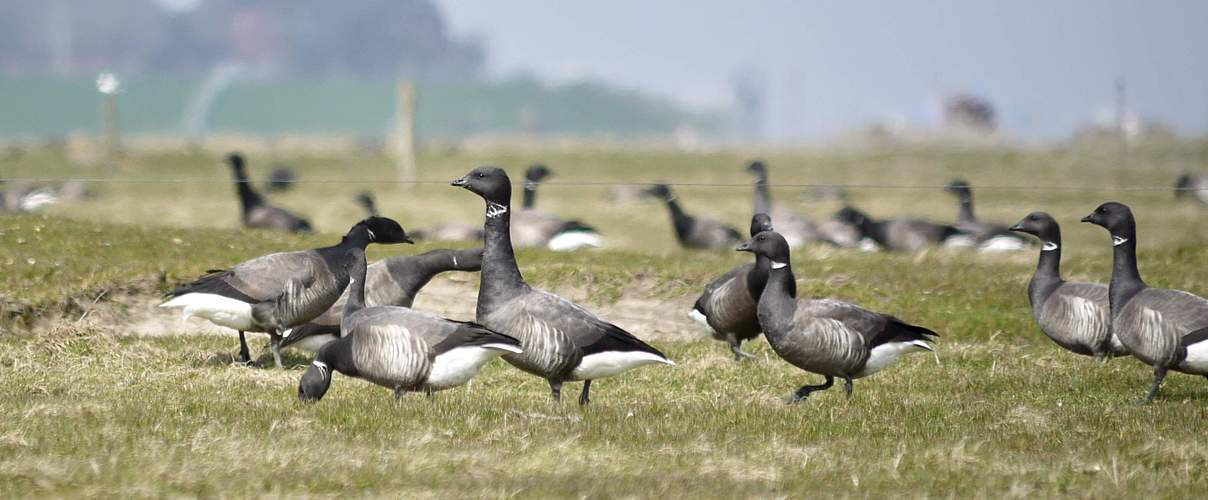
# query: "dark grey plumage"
[[280, 178], [535, 228], [366, 201], [281, 290], [826, 336], [728, 306], [562, 342], [400, 348], [695, 232], [899, 235], [1166, 329], [1193, 186], [989, 237], [1074, 315], [256, 212], [795, 228], [393, 281]]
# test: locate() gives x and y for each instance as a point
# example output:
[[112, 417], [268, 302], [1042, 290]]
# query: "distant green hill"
[[40, 107]]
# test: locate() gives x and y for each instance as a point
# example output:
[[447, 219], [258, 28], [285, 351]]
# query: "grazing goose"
[[393, 281], [1074, 315], [1166, 329], [826, 336], [796, 229], [695, 232], [900, 235], [400, 348], [727, 308], [274, 292], [365, 199], [257, 213], [533, 228], [989, 237], [1194, 186], [562, 342]]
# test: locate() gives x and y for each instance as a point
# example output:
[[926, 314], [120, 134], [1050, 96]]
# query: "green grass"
[[92, 411]]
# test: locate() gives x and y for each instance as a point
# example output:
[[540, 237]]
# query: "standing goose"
[[257, 213], [1194, 186], [393, 281], [1074, 315], [400, 348], [899, 235], [727, 309], [365, 199], [274, 292], [826, 336], [695, 232], [989, 237], [562, 342], [533, 228], [796, 229], [1166, 329]]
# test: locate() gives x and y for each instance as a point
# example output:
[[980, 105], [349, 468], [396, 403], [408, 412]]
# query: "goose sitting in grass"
[[828, 337], [900, 235], [534, 228], [694, 232], [257, 213], [989, 237], [282, 290], [400, 348]]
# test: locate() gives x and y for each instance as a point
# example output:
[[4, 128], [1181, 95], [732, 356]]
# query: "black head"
[[365, 198], [235, 160], [757, 168], [537, 173], [1113, 216], [958, 187], [660, 191], [760, 223], [851, 216], [491, 183], [1039, 224], [768, 244], [314, 382], [1183, 186], [383, 230]]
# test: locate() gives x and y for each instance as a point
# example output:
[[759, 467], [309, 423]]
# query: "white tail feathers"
[[574, 240], [222, 311], [504, 347], [701, 320]]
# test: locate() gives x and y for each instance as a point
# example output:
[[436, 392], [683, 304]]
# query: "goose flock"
[[357, 318]]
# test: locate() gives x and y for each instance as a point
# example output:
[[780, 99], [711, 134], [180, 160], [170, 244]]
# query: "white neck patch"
[[1048, 246], [322, 367], [1118, 240], [778, 265], [495, 210], [372, 237]]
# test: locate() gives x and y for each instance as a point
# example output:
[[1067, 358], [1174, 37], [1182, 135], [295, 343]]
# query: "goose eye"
[[481, 175]]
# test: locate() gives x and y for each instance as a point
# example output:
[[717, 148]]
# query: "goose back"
[[729, 306], [1158, 326]]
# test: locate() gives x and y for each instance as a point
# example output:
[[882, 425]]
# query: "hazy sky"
[[834, 65]]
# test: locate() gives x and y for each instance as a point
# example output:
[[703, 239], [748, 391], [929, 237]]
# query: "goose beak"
[[1089, 218], [743, 247], [1017, 228], [408, 240], [460, 182]]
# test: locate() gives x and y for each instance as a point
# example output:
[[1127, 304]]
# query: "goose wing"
[[271, 217], [385, 349], [585, 330], [726, 300], [1166, 316], [259, 279], [710, 233], [1076, 315]]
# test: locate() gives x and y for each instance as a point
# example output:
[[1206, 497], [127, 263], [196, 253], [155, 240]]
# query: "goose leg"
[[245, 356], [398, 393], [274, 343], [583, 398], [735, 347], [805, 390], [1159, 373], [555, 389], [847, 386]]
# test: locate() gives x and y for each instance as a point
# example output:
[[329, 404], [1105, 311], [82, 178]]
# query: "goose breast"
[[1075, 316], [386, 352]]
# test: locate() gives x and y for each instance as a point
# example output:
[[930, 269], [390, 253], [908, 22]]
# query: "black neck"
[[757, 279], [357, 237], [419, 270], [530, 195], [500, 276], [681, 220], [338, 356], [1126, 279], [248, 197], [763, 196], [966, 214], [778, 300], [1047, 277], [356, 290]]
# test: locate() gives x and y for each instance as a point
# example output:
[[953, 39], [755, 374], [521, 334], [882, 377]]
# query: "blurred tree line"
[[291, 37]]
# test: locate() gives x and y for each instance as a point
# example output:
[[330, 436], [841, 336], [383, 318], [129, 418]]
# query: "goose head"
[[316, 380], [1183, 186], [382, 230], [365, 198], [235, 160], [760, 223], [660, 191], [758, 169], [491, 183], [1041, 225], [849, 215], [536, 174], [1116, 218], [768, 244], [958, 187]]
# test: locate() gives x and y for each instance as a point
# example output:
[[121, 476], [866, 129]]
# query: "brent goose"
[[274, 292], [901, 235], [562, 342], [727, 308], [796, 229], [393, 281], [1194, 186], [826, 336], [534, 228], [257, 213], [400, 348], [1074, 315], [989, 237], [1166, 329], [366, 201], [694, 232]]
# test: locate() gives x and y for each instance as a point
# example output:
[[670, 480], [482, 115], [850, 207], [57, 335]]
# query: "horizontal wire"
[[188, 180]]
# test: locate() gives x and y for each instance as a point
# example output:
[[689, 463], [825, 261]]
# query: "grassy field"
[[93, 409]]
